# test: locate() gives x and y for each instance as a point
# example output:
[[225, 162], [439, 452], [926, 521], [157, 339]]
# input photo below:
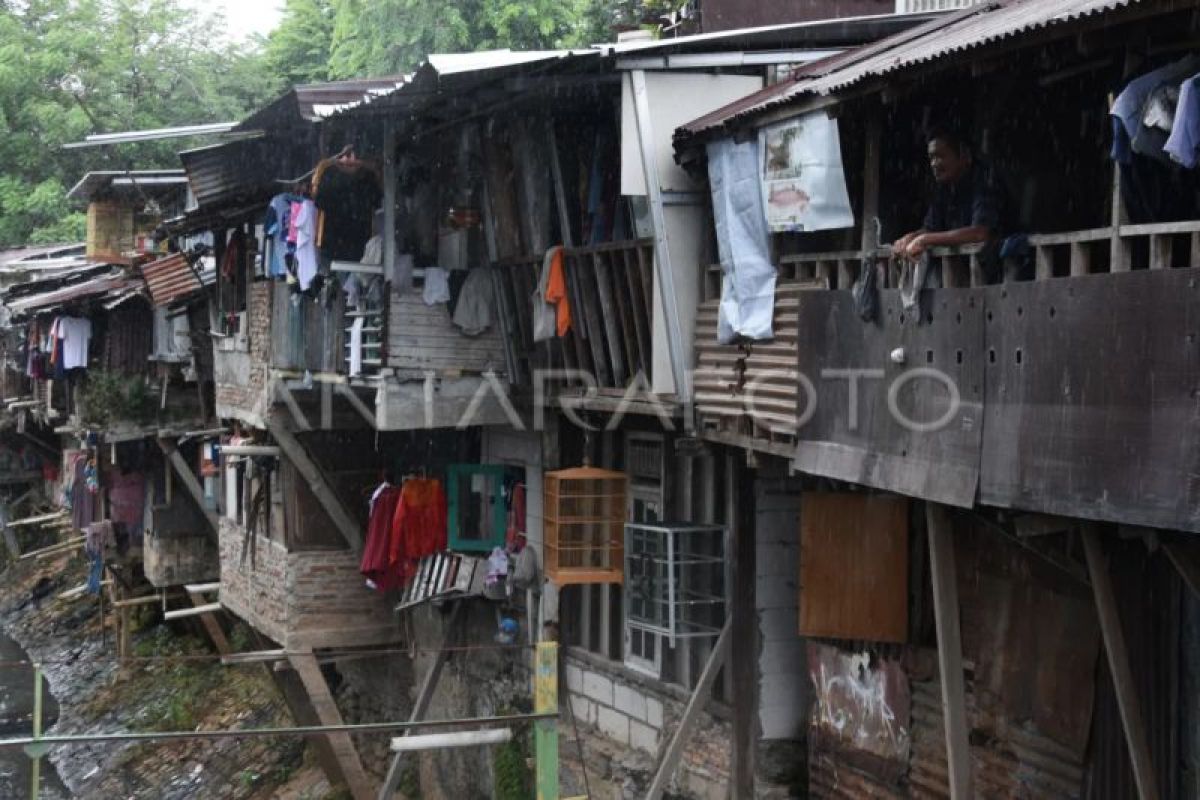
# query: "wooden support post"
[[1119, 255], [1043, 262], [421, 704], [389, 199], [1081, 258], [310, 674], [744, 636], [190, 482], [949, 641], [1118, 665], [683, 731], [1185, 561], [872, 149], [1162, 247], [1194, 250], [342, 519], [212, 625]]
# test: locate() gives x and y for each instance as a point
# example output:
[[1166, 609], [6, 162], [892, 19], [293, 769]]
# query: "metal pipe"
[[35, 772], [434, 741], [310, 730]]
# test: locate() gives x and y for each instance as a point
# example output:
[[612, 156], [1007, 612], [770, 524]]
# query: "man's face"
[[947, 161]]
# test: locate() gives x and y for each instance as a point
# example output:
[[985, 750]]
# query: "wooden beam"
[[683, 731], [1118, 665], [212, 626], [1184, 559], [180, 613], [326, 496], [949, 641], [190, 482], [421, 705], [309, 671], [744, 618]]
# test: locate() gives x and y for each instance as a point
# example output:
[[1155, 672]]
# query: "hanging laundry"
[[347, 191], [556, 292], [306, 244], [375, 564], [437, 286], [127, 500], [473, 313], [235, 249], [1184, 142], [1127, 110], [356, 346], [277, 226], [419, 524], [98, 537], [83, 495], [75, 334]]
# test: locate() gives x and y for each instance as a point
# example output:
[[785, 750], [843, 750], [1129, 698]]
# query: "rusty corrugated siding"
[[170, 279]]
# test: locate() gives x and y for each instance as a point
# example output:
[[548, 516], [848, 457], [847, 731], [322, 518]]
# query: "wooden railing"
[[611, 289], [1055, 255], [753, 389]]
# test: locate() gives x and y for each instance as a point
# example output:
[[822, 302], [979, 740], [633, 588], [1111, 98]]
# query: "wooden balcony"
[[1072, 393]]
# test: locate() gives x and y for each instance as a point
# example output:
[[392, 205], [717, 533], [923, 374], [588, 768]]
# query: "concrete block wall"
[[241, 378], [639, 715]]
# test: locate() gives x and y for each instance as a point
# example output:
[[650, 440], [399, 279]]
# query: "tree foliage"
[[69, 68], [298, 49]]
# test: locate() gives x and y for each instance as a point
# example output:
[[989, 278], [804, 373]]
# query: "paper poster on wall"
[[803, 184]]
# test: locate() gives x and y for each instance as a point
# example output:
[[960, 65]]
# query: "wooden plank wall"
[[854, 566], [422, 337], [306, 335]]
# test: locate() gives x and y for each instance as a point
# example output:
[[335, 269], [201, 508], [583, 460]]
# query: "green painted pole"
[[545, 732], [36, 770]]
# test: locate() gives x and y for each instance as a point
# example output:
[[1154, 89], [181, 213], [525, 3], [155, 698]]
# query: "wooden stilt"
[[421, 705], [341, 517], [1118, 664], [683, 732], [949, 640], [310, 674], [189, 481], [211, 624]]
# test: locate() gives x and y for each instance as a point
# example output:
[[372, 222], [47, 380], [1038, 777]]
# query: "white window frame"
[[653, 498]]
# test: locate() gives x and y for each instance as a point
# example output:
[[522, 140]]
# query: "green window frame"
[[459, 484]]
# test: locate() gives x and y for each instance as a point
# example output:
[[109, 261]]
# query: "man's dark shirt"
[[974, 199]]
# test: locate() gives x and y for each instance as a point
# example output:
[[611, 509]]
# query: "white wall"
[[675, 99], [783, 662]]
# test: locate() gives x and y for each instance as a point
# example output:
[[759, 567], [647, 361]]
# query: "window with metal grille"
[[674, 585]]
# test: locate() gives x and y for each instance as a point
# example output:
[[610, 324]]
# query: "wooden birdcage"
[[585, 525]]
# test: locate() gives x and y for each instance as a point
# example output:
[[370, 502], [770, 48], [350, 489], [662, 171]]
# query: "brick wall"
[[639, 715], [241, 378], [302, 599], [256, 594]]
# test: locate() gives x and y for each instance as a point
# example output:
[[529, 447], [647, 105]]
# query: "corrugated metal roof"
[[114, 284], [180, 131], [170, 279], [957, 32], [147, 181], [789, 35], [317, 101]]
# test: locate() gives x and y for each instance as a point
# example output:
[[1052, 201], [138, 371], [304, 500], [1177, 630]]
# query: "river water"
[[16, 719]]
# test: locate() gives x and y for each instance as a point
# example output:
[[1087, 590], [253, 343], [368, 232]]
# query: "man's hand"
[[916, 246], [901, 244]]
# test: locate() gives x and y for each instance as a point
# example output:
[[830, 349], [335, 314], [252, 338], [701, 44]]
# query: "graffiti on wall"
[[862, 702]]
